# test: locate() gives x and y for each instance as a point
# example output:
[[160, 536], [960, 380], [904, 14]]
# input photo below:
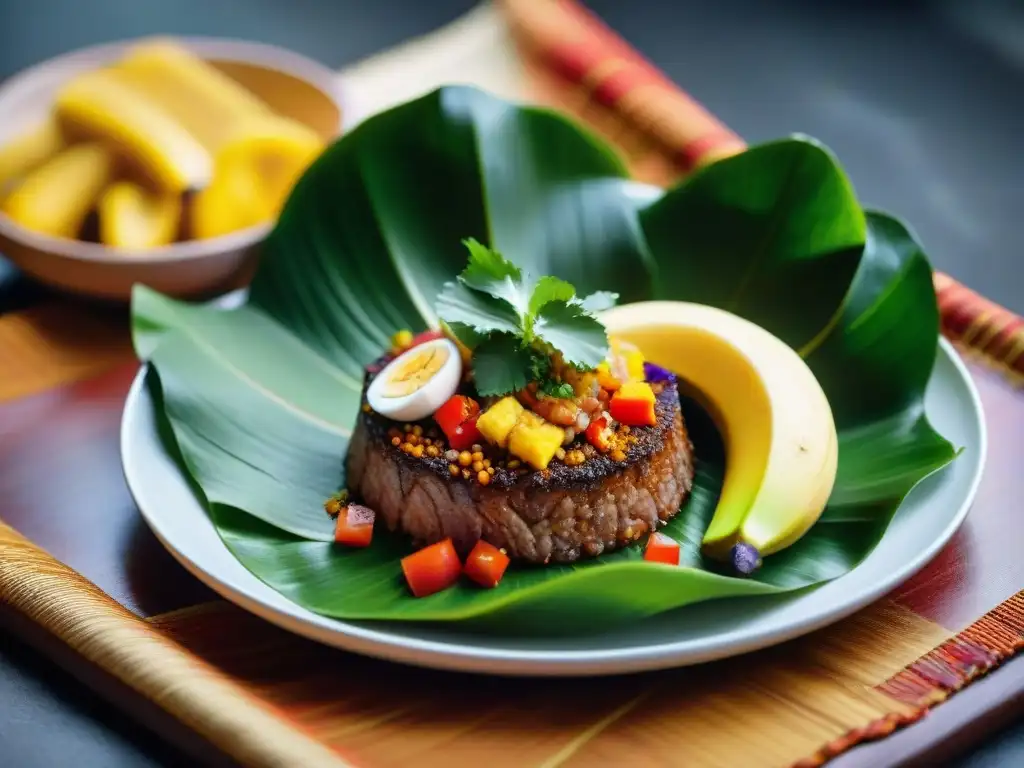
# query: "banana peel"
[[55, 198], [100, 106], [132, 217], [28, 150], [254, 173], [780, 436]]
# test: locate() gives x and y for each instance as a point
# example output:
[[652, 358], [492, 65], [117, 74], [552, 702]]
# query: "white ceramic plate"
[[698, 633]]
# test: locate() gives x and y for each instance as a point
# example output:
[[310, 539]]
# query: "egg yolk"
[[415, 371]]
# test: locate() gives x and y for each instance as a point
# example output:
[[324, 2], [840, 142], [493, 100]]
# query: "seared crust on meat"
[[559, 514]]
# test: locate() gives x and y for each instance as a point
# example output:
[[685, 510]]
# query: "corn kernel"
[[432, 451], [618, 455], [483, 478], [478, 456], [417, 451], [453, 470], [465, 458], [417, 430], [396, 441], [402, 340], [466, 474], [478, 466]]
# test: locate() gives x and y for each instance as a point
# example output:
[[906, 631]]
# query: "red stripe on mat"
[[990, 641]]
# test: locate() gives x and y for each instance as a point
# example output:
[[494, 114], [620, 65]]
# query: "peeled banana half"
[[55, 198], [99, 106], [141, 139], [135, 218], [28, 150], [777, 425]]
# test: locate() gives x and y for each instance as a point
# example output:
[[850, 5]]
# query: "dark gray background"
[[922, 101]]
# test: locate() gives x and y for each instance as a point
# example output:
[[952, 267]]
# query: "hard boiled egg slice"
[[417, 382]]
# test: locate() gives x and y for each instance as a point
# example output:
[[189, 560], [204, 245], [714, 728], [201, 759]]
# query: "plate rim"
[[458, 656]]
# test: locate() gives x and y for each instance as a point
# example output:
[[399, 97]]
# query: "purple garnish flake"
[[653, 373], [745, 558]]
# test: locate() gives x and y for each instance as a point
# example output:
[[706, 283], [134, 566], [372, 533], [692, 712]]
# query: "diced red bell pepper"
[[486, 564], [661, 549], [354, 525], [465, 435], [456, 410], [424, 336], [633, 404], [598, 434], [432, 568]]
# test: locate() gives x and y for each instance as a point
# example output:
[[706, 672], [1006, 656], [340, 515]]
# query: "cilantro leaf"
[[479, 311], [559, 389], [540, 366], [569, 328], [599, 301], [466, 334], [500, 365], [500, 311], [550, 289], [490, 272]]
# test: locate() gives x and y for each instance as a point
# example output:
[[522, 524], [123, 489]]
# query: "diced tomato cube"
[[661, 549], [455, 412], [633, 404], [465, 435], [424, 336], [486, 564], [354, 526], [598, 434], [432, 568]]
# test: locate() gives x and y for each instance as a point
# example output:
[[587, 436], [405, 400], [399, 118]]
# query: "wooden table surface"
[[932, 86]]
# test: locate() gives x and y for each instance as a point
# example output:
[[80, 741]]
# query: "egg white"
[[429, 397]]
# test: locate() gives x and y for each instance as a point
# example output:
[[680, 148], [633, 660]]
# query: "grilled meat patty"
[[559, 514]]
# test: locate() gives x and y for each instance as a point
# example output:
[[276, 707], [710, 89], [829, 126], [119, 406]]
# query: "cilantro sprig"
[[507, 316]]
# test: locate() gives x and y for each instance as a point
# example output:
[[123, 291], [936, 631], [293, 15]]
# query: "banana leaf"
[[257, 402]]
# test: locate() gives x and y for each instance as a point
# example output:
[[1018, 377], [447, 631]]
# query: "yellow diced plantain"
[[55, 198], [497, 421], [534, 440], [28, 150], [132, 217], [101, 107]]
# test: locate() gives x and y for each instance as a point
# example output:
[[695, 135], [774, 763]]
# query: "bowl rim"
[[267, 55]]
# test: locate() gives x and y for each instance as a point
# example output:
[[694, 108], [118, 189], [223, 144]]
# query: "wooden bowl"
[[290, 83]]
